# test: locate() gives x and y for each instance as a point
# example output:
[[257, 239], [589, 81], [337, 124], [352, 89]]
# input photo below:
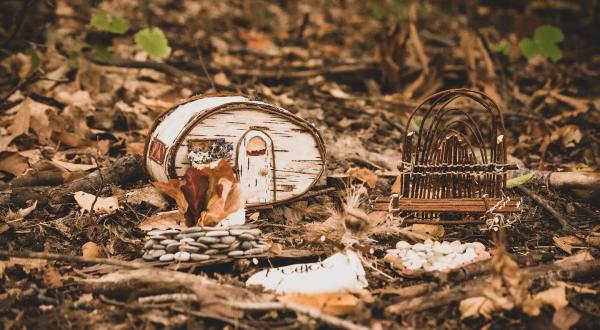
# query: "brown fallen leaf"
[[578, 257], [434, 231], [565, 318], [20, 123], [172, 188], [52, 278], [195, 190], [107, 205], [224, 193], [566, 243], [363, 175], [163, 220], [147, 194], [13, 163], [330, 303]]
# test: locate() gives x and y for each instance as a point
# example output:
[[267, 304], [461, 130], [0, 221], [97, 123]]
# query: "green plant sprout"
[[502, 47], [105, 21], [543, 43], [150, 39]]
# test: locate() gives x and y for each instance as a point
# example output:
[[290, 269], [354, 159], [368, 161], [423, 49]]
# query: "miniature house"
[[277, 155], [453, 160]]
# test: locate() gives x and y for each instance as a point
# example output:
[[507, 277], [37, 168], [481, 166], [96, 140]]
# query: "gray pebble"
[[192, 235], [201, 246], [211, 251], [208, 240], [234, 245], [157, 253], [263, 246], [158, 247], [212, 228], [188, 248], [157, 237], [191, 230], [182, 256], [254, 251], [199, 257], [235, 253], [186, 240], [219, 246], [148, 256], [237, 232], [217, 233], [246, 237], [167, 257], [173, 247], [166, 242], [228, 239], [247, 245], [164, 232], [149, 244]]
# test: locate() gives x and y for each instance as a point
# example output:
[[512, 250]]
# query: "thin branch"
[[564, 222], [69, 258], [311, 312]]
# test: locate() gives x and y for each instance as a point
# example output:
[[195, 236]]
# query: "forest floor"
[[74, 99]]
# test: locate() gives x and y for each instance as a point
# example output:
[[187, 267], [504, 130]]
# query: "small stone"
[[208, 240], [211, 251], [173, 247], [219, 246], [263, 247], [228, 239], [234, 245], [217, 233], [167, 257], [246, 245], [254, 251], [191, 230], [166, 242], [212, 228], [246, 237], [163, 232], [199, 257], [188, 248], [252, 231], [403, 245], [182, 256], [157, 253], [192, 235], [149, 244], [235, 253], [186, 240], [148, 256], [158, 247], [158, 237], [198, 245]]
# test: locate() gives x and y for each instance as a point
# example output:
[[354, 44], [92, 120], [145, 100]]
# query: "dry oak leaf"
[[107, 205], [330, 303], [147, 194], [172, 188], [363, 175], [195, 189], [433, 231], [566, 243], [21, 213], [52, 278], [163, 220], [224, 194]]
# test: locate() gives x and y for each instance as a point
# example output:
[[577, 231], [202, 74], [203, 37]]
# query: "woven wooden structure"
[[454, 162]]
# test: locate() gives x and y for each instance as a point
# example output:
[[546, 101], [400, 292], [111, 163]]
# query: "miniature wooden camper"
[[277, 155], [453, 160]]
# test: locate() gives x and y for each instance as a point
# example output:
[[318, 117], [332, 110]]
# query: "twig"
[[69, 258], [234, 323], [311, 312], [538, 199], [161, 298]]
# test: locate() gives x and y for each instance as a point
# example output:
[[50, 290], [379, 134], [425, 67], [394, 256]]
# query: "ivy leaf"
[[548, 35], [553, 52], [101, 52], [153, 42], [529, 48], [106, 21]]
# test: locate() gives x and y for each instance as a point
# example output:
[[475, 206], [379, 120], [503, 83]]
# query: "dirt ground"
[[74, 98]]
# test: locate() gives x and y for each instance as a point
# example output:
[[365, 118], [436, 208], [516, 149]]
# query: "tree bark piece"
[[125, 169]]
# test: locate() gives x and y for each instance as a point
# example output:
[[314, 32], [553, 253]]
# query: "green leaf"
[[529, 48], [153, 42], [501, 46], [552, 51], [523, 179], [101, 52], [548, 35], [35, 59], [72, 59], [106, 21]]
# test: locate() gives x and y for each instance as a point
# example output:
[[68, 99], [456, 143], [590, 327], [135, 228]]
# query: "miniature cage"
[[453, 159]]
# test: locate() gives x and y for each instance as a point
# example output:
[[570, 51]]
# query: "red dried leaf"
[[195, 189]]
